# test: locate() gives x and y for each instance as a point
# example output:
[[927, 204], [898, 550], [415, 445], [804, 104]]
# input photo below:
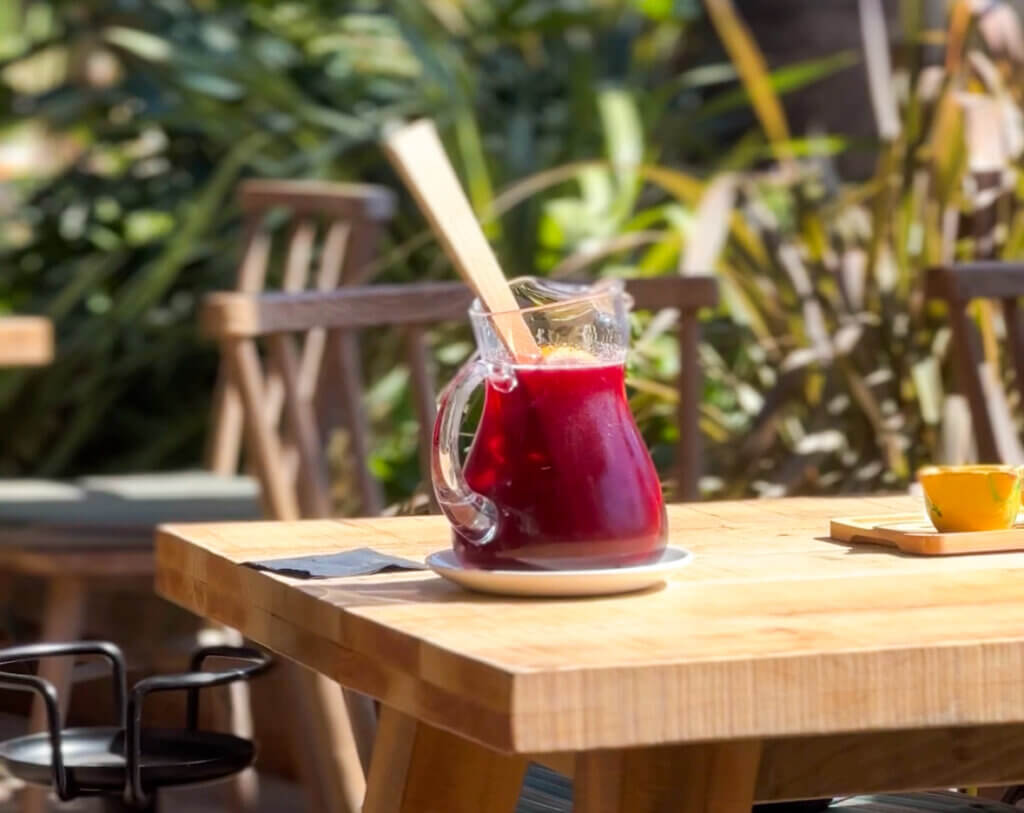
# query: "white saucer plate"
[[560, 583]]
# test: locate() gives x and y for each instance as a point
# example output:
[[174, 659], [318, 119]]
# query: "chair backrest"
[[332, 227], [977, 376], [238, 321]]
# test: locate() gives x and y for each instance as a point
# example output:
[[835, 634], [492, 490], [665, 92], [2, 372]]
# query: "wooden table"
[[25, 341], [779, 665]]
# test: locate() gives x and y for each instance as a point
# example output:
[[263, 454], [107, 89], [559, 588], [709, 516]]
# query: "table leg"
[[323, 742], [707, 778], [420, 769]]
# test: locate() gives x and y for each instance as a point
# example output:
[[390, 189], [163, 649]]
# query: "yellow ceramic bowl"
[[971, 498]]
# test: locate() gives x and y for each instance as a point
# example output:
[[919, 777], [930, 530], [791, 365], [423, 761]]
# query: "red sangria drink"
[[559, 455], [557, 476]]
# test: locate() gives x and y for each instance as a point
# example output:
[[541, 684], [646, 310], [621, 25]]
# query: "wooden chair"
[[82, 535], [334, 321], [978, 379]]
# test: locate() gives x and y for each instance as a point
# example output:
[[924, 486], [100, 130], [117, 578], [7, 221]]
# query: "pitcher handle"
[[473, 515]]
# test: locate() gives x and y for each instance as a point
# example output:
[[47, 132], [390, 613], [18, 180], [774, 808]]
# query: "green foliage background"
[[619, 129]]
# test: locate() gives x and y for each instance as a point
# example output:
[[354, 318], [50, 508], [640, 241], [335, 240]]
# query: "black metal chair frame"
[[128, 704]]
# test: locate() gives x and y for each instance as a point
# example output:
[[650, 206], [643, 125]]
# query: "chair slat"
[[985, 212], [314, 494], [344, 346], [361, 253], [252, 272], [422, 381], [978, 379], [296, 276], [969, 360], [1014, 320], [690, 386], [225, 447], [332, 260], [244, 359], [300, 256]]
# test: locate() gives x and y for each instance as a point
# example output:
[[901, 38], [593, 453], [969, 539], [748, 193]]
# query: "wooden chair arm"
[[318, 198], [977, 280], [239, 315], [686, 293], [243, 315]]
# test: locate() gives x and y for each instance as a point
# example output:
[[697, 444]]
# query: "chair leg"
[[234, 712], [323, 743], [63, 619], [6, 610]]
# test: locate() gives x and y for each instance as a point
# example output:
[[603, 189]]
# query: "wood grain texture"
[[926, 759], [812, 767], [322, 741], [392, 757], [25, 341], [913, 533], [704, 778], [420, 769], [773, 631]]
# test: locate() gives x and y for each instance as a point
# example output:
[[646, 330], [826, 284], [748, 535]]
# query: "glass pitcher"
[[558, 475]]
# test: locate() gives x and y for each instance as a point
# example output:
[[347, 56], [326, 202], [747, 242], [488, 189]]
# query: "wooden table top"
[[25, 341], [774, 631]]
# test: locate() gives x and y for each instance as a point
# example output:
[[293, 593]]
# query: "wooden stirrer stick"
[[418, 155]]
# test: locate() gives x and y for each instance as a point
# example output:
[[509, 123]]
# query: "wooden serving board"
[[913, 533]]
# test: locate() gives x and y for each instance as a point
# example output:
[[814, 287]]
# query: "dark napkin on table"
[[357, 562]]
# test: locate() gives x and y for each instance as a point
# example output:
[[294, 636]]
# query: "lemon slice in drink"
[[562, 354]]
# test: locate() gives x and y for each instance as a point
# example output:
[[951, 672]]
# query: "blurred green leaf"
[[783, 80]]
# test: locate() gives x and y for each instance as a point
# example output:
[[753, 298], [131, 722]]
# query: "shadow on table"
[[867, 546], [430, 589]]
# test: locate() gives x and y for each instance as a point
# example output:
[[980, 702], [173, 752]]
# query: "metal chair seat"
[[96, 760]]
